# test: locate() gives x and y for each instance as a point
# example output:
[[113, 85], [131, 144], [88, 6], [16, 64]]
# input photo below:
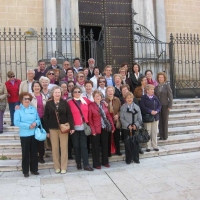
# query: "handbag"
[[3, 104], [87, 128], [147, 118], [64, 128], [118, 124], [40, 133], [142, 135]]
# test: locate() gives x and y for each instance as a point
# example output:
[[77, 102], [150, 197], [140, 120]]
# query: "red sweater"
[[76, 113], [13, 90], [95, 118]]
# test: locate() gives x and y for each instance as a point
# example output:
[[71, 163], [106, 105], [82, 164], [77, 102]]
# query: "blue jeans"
[[12, 111]]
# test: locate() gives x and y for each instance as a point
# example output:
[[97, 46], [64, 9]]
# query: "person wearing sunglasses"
[[70, 86], [51, 76], [12, 86], [101, 85], [79, 109], [80, 81], [27, 118]]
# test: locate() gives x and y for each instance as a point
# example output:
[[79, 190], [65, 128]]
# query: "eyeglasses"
[[51, 74], [76, 92], [80, 76], [70, 85], [66, 64], [26, 99], [102, 81], [12, 76]]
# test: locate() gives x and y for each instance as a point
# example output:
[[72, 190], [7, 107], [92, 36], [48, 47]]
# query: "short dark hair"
[[76, 59], [123, 64], [22, 94], [148, 70], [75, 87], [39, 61], [140, 80], [137, 65], [70, 69], [125, 86], [98, 69], [88, 82], [62, 82], [34, 82]]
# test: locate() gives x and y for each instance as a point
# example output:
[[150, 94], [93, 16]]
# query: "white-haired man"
[[91, 64], [25, 86], [53, 65]]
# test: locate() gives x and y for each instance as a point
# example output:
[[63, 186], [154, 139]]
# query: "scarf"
[[150, 81], [160, 86], [81, 99]]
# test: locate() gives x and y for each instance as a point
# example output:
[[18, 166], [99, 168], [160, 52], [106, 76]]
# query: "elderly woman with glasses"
[[101, 85], [12, 86], [27, 118], [57, 107], [80, 81], [51, 76], [79, 109], [39, 102]]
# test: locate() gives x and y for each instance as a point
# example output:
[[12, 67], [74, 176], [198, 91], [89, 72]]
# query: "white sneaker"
[[57, 171], [63, 171]]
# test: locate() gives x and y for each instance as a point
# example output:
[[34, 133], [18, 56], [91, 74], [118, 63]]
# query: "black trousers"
[[29, 154], [70, 146], [79, 140], [135, 149], [117, 140], [96, 140], [163, 122], [40, 145]]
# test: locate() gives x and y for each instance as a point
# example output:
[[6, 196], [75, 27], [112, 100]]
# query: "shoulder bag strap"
[[79, 110]]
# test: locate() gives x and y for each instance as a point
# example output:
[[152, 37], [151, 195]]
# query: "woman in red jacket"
[[100, 123], [12, 86]]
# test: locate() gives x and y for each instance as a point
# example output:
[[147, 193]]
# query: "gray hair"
[[28, 70], [43, 78], [55, 88], [53, 58], [91, 59]]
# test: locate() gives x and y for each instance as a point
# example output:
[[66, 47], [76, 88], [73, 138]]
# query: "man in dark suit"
[[53, 65], [91, 64], [66, 66]]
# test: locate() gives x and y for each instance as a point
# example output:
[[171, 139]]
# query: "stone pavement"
[[174, 177]]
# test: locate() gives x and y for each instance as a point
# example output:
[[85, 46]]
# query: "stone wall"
[[21, 14], [182, 16]]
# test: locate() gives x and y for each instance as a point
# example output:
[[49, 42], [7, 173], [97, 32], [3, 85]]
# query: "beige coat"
[[34, 101], [3, 96]]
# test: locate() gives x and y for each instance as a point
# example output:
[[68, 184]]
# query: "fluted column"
[[65, 7], [50, 21]]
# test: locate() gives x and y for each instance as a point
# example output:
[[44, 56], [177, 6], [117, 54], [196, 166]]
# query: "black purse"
[[148, 118], [142, 135]]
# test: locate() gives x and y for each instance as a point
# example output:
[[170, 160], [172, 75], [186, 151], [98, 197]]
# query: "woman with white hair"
[[44, 81]]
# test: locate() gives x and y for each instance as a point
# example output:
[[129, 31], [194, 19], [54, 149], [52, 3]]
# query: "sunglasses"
[[102, 81], [51, 74], [77, 92], [11, 76], [80, 76], [26, 99], [66, 64]]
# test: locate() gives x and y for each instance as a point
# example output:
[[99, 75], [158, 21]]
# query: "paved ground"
[[175, 177]]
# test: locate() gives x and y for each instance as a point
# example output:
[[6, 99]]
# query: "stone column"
[[160, 20], [65, 6], [75, 25], [31, 49], [50, 21]]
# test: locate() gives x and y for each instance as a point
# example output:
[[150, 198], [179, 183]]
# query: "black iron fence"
[[62, 44]]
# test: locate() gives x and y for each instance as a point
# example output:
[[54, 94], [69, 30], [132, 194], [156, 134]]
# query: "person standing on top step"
[[164, 93]]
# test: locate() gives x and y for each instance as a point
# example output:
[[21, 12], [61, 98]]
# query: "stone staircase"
[[184, 136]]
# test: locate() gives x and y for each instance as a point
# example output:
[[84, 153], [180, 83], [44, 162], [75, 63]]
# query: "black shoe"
[[88, 168], [148, 150], [138, 162], [128, 163], [26, 175], [156, 149], [160, 138], [141, 151], [119, 154], [35, 173], [79, 167], [70, 158], [41, 160], [1, 132]]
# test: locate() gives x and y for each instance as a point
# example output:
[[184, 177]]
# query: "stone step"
[[186, 105], [12, 148], [183, 130], [184, 101], [184, 116], [15, 165], [184, 111], [9, 136], [8, 128], [183, 123]]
